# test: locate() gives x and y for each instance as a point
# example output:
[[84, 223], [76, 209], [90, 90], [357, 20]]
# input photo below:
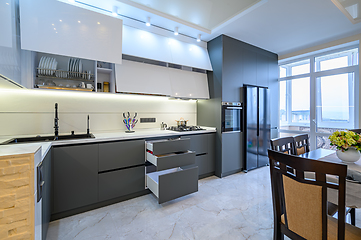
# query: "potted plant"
[[348, 145]]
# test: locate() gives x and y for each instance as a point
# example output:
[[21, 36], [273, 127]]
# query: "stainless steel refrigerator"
[[256, 125]]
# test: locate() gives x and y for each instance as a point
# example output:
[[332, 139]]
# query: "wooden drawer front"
[[116, 155], [173, 183], [120, 183], [172, 160], [198, 143], [166, 146]]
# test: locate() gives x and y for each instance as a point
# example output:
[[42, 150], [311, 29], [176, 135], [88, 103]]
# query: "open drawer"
[[173, 183], [159, 147], [172, 160]]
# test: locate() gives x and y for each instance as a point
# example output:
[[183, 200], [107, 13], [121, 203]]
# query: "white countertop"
[[23, 148]]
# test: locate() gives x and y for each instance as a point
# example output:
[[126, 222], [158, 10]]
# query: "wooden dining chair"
[[283, 144], [300, 204], [302, 143]]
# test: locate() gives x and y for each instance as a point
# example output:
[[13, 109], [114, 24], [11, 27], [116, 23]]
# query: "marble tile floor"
[[235, 207]]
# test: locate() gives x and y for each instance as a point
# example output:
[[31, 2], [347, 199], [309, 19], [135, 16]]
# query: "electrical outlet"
[[147, 120]]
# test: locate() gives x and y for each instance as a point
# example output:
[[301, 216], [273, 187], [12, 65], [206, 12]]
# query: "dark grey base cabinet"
[[75, 177], [204, 147], [46, 194], [121, 182]]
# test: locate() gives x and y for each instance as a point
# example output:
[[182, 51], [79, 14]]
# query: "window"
[[319, 100]]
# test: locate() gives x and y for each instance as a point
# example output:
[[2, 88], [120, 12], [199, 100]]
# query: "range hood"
[[6, 83]]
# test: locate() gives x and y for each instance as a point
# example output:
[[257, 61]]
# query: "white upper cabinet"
[[187, 84], [134, 77], [58, 28], [149, 45]]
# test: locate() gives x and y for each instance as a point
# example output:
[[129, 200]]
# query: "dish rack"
[[65, 75]]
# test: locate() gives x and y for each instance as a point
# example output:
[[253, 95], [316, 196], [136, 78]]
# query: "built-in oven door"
[[232, 118]]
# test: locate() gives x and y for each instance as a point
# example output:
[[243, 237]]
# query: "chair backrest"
[[284, 144], [356, 130], [300, 204], [302, 143]]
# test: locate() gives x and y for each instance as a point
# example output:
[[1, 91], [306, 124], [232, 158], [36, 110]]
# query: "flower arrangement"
[[343, 140]]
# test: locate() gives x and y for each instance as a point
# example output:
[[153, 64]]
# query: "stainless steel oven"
[[232, 117]]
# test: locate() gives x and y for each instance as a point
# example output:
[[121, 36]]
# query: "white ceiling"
[[280, 26], [285, 26], [206, 13]]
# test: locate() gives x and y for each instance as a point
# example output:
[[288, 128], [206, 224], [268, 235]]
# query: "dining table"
[[353, 188]]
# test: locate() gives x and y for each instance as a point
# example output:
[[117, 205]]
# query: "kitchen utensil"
[[124, 115], [128, 115], [163, 126], [181, 122], [136, 121], [135, 115]]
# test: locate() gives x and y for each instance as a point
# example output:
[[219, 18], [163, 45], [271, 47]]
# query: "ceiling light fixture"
[[115, 11], [72, 1], [79, 22], [98, 22], [199, 38], [148, 22], [176, 31], [60, 20]]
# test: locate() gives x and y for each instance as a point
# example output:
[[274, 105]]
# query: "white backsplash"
[[31, 111]]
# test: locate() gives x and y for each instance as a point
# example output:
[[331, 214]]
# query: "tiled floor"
[[235, 207]]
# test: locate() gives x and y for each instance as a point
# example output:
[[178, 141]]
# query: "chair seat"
[[351, 232]]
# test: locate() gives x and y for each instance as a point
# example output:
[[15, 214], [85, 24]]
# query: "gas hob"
[[184, 128]]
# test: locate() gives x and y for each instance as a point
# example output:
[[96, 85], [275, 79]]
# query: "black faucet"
[[88, 130], [56, 122]]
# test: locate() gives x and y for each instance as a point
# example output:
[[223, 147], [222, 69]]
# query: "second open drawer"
[[172, 160]]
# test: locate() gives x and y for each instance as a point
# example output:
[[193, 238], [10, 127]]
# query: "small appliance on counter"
[[130, 122], [163, 126]]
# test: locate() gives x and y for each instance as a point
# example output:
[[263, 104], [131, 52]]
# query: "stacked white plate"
[[75, 67], [47, 65]]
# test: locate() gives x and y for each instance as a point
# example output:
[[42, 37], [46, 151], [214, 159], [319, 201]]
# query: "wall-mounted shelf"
[[66, 88]]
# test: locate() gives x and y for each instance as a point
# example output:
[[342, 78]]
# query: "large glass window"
[[322, 100]]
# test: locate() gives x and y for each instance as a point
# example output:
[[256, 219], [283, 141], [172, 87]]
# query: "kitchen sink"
[[47, 138]]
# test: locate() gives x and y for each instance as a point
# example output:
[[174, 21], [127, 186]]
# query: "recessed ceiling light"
[[199, 38], [115, 11], [56, 32], [78, 21], [98, 22], [148, 22], [54, 28], [176, 31], [60, 20], [7, 3], [52, 24]]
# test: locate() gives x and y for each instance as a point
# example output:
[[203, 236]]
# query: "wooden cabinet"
[[75, 170]]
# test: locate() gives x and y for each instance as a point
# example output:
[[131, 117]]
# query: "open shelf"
[[66, 88]]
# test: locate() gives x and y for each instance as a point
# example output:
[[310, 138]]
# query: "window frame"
[[313, 75]]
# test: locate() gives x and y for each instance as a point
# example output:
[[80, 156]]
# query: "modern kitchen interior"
[[135, 119]]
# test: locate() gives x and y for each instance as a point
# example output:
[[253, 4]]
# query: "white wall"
[[32, 111]]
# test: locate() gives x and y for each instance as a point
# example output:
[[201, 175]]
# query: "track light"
[[148, 22], [176, 31], [199, 38], [115, 11]]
